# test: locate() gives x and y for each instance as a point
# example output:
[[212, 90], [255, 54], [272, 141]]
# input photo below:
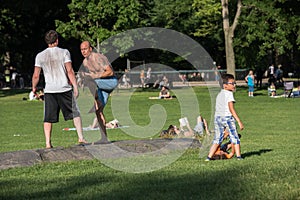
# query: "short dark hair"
[[226, 77], [51, 37]]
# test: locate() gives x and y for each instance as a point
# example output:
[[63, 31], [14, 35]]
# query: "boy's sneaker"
[[208, 159], [239, 158]]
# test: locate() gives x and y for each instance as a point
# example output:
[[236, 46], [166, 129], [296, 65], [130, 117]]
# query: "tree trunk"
[[230, 59], [229, 34]]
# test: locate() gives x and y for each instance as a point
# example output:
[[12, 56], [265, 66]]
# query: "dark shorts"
[[54, 102]]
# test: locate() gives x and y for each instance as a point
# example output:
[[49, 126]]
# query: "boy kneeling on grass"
[[225, 118]]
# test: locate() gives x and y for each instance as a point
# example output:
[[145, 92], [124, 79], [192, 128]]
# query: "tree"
[[97, 20], [199, 19], [23, 24], [268, 32], [7, 23], [229, 33]]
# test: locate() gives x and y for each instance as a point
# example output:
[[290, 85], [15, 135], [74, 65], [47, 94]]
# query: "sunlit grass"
[[269, 143]]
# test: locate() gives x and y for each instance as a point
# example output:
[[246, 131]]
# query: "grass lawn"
[[269, 144]]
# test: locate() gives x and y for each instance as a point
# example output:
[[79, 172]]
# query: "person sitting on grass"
[[164, 93], [36, 96], [296, 91], [272, 90]]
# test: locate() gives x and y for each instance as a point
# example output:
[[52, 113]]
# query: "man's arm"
[[101, 74], [72, 78], [236, 117], [99, 66], [35, 78]]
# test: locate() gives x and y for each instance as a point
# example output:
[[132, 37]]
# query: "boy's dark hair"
[[226, 77], [51, 37]]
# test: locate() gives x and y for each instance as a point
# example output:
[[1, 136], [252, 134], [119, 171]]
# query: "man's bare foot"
[[82, 141]]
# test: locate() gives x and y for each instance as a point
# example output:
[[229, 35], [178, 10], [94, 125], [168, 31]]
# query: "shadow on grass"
[[125, 186], [11, 92], [256, 153]]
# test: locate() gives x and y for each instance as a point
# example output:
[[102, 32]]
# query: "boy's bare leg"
[[213, 150], [47, 131], [237, 149]]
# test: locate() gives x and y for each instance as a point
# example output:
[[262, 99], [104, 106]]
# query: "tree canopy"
[[267, 31]]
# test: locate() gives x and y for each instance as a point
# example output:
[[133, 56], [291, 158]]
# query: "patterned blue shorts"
[[222, 123]]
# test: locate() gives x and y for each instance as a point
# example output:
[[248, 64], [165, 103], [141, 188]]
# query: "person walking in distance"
[[100, 77], [60, 89]]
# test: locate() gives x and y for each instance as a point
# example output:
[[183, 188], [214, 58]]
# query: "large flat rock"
[[79, 152], [30, 157]]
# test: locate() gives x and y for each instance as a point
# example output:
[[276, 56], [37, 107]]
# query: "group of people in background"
[[274, 75], [11, 78]]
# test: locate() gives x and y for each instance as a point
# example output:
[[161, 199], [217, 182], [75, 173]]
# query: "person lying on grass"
[[185, 129], [111, 124], [223, 151]]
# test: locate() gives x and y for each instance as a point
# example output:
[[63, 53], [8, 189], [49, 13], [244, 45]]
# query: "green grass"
[[269, 143]]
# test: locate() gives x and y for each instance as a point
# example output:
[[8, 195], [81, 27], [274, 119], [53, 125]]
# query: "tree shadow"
[[256, 153], [12, 92]]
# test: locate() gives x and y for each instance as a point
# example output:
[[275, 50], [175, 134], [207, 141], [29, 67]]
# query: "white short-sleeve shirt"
[[52, 61], [223, 98]]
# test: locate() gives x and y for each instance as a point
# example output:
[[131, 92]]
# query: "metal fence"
[[134, 77]]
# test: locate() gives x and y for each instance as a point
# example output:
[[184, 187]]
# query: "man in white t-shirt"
[[271, 70], [225, 117], [61, 88]]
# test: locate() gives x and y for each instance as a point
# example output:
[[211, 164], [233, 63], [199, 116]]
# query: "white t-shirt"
[[52, 61], [14, 75], [223, 98], [271, 68]]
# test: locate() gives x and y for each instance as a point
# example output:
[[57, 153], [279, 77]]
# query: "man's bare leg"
[[78, 125], [101, 121], [47, 131]]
